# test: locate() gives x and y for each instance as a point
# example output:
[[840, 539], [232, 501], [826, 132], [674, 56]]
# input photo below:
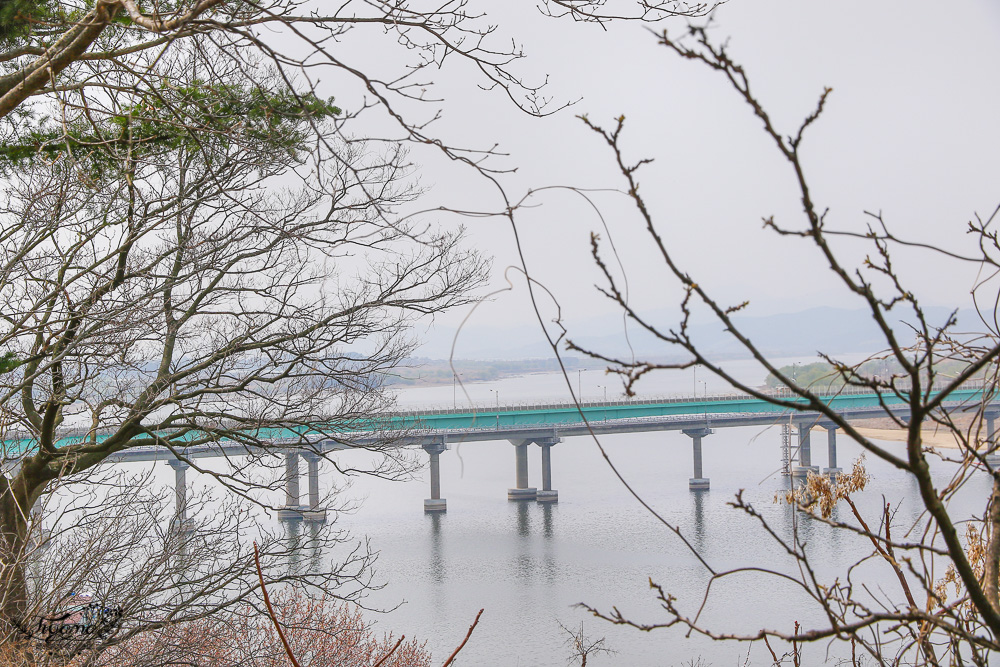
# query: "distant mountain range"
[[830, 330]]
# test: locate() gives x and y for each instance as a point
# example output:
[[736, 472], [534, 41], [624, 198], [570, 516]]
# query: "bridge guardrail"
[[486, 410], [784, 392]]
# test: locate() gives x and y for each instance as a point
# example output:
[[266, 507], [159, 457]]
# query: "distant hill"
[[422, 371], [830, 330]]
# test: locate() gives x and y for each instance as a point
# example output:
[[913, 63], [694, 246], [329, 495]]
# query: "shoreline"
[[936, 438]]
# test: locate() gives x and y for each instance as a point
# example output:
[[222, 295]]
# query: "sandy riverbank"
[[940, 438], [933, 435]]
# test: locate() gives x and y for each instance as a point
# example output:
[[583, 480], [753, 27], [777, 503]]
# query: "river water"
[[528, 565]]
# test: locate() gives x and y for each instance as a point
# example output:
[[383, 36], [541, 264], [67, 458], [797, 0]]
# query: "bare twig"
[[270, 609], [462, 645]]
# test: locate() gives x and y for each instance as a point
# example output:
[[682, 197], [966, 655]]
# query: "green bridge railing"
[[542, 414]]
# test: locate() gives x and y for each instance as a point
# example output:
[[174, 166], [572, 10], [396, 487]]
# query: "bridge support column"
[[292, 511], [522, 490], [39, 537], [546, 494], [831, 440], [315, 514], [992, 460], [435, 503], [801, 471], [698, 482], [180, 520]]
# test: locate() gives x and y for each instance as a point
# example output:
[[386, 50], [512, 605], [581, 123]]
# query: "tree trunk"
[[14, 512], [993, 547]]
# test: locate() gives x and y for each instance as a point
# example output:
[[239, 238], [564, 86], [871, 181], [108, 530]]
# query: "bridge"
[[546, 424]]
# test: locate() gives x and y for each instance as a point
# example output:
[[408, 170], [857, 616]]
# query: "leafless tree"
[[76, 52], [943, 606], [582, 647], [197, 248], [224, 280], [111, 541]]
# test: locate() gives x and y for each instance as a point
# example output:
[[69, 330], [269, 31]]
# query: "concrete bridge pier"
[[40, 535], [546, 494], [805, 466], [180, 521], [831, 444], [992, 459], [435, 503], [315, 513], [291, 511], [699, 482], [522, 490]]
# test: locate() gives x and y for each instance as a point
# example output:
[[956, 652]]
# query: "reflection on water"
[[547, 510], [304, 543], [698, 496], [550, 564], [523, 566], [437, 564], [316, 549], [523, 522], [293, 533]]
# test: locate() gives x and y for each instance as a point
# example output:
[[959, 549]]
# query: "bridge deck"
[[541, 420]]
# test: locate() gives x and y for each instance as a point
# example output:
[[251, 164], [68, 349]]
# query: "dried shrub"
[[321, 632]]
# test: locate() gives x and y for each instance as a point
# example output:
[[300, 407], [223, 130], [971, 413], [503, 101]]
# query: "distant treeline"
[[822, 375], [438, 371]]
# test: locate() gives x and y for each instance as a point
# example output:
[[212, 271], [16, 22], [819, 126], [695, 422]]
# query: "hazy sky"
[[910, 130]]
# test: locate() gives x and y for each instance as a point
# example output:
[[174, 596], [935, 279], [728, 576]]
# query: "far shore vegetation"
[[824, 376], [423, 372]]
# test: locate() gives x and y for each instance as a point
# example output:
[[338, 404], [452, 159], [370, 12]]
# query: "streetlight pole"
[[704, 396], [497, 392]]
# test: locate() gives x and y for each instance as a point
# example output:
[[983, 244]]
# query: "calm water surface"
[[529, 564]]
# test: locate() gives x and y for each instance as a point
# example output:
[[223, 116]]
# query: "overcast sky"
[[910, 130]]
